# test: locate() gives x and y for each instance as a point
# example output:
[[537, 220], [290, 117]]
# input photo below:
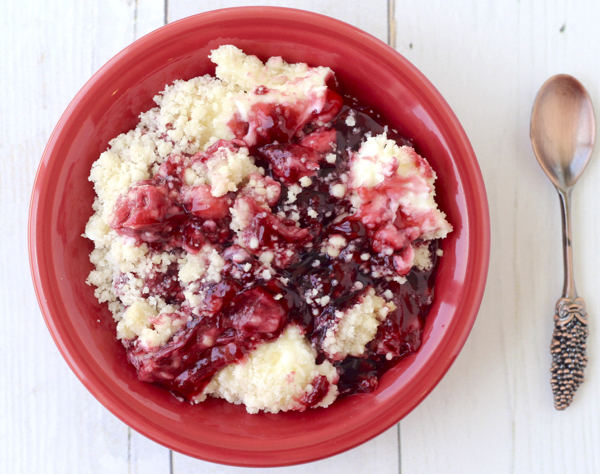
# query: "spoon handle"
[[568, 350], [568, 346]]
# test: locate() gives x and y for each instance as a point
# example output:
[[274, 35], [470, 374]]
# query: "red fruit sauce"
[[241, 312]]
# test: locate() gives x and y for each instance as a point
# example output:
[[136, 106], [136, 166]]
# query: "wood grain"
[[379, 455], [49, 423], [370, 16], [493, 411]]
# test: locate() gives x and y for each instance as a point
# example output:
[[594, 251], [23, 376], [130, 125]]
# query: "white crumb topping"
[[335, 244], [293, 191], [388, 295], [192, 268], [266, 257], [378, 160], [324, 301], [143, 321], [266, 274], [338, 190], [422, 259], [331, 158], [193, 296], [305, 181], [194, 113], [119, 257], [260, 188], [215, 267], [191, 116], [240, 215], [130, 158], [206, 264], [225, 170], [285, 83], [356, 327], [246, 71], [275, 376], [128, 257]]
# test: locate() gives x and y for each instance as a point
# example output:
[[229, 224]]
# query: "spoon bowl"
[[563, 129]]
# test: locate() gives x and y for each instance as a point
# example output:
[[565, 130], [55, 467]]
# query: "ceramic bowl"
[[110, 103]]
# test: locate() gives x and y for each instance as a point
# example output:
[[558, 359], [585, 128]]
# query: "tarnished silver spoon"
[[563, 131]]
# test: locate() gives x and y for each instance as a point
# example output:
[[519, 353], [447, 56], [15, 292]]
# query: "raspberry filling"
[[289, 225]]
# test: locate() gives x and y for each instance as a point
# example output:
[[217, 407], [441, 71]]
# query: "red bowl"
[[110, 103]]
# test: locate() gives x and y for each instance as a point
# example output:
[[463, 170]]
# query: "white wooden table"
[[493, 411]]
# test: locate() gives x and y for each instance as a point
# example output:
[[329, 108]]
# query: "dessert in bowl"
[[111, 103]]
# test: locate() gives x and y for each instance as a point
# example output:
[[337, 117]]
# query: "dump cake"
[[261, 238]]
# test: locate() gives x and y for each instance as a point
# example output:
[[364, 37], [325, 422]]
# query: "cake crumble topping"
[[263, 239]]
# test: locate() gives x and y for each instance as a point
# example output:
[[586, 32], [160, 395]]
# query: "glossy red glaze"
[[110, 103]]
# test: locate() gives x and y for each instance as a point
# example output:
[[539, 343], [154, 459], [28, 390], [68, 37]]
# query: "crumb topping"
[[257, 236]]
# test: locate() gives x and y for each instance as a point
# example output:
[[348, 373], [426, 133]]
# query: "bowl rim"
[[103, 394]]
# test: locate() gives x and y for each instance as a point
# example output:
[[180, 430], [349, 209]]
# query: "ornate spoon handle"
[[568, 350], [568, 346]]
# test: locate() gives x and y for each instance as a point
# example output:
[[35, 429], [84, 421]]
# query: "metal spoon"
[[563, 131]]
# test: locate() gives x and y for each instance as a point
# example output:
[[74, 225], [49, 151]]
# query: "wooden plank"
[[493, 412], [149, 15], [146, 456], [49, 422], [369, 16], [468, 53], [556, 38], [43, 406]]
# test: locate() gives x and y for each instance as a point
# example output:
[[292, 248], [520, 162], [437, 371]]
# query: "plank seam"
[[399, 447], [392, 23]]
